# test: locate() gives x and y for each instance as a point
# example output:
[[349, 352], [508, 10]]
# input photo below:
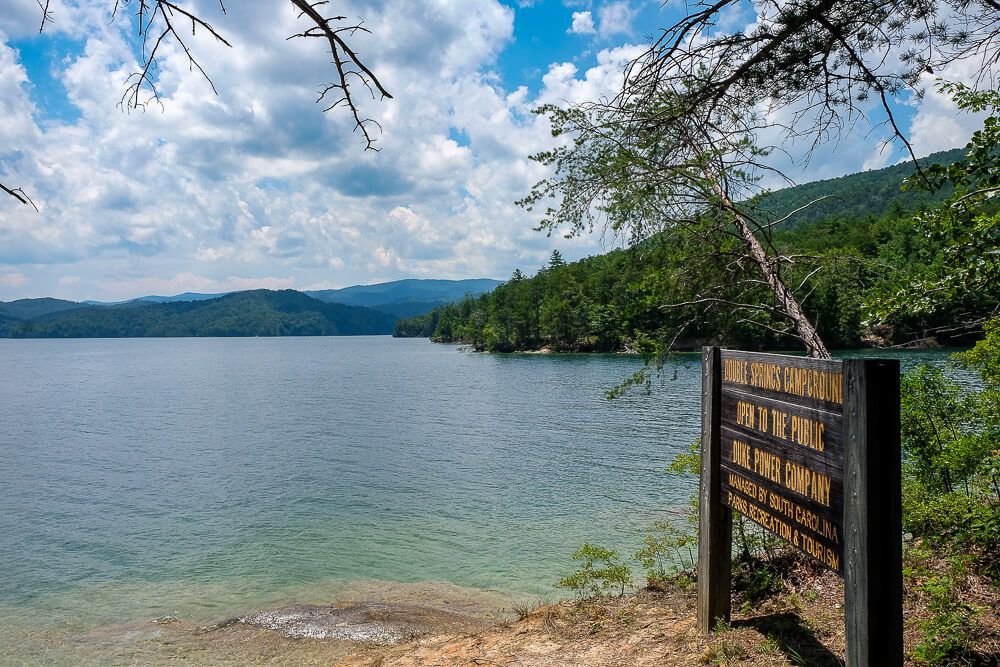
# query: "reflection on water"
[[194, 480]]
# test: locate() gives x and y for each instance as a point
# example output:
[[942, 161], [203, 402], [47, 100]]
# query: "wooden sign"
[[809, 450], [782, 465]]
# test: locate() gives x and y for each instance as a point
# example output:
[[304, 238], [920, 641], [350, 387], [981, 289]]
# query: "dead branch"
[[791, 213], [158, 22], [347, 63], [46, 15], [822, 59], [19, 194]]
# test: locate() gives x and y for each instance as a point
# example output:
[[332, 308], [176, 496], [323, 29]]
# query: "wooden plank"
[[807, 529], [784, 470], [787, 452], [800, 380], [816, 433], [832, 511], [810, 433], [715, 531], [782, 448], [873, 584]]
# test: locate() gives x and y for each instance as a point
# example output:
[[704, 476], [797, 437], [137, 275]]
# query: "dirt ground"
[[646, 628], [802, 623]]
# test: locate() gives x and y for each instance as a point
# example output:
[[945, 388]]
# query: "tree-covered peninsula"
[[862, 239]]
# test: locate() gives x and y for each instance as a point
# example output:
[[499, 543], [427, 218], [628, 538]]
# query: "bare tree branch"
[[19, 194], [156, 17], [790, 214], [348, 64], [822, 59], [46, 15]]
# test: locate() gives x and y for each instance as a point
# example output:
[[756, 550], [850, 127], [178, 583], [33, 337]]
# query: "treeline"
[[616, 301], [250, 313]]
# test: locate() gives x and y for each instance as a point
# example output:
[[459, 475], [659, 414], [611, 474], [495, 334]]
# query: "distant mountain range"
[[357, 310], [406, 298]]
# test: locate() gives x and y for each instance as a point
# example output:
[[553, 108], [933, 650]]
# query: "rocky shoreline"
[[379, 623]]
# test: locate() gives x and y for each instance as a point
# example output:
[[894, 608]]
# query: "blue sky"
[[256, 187]]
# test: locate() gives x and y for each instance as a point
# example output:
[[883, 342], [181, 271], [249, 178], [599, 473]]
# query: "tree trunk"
[[786, 300]]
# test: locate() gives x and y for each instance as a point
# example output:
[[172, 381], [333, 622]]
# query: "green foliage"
[[27, 309], [951, 491], [951, 445], [687, 463], [984, 359], [951, 495], [956, 275], [755, 580], [875, 193], [600, 572], [617, 301], [947, 634], [669, 550], [418, 326], [943, 440]]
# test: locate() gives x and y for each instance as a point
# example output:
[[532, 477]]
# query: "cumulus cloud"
[[615, 18], [938, 124], [583, 24]]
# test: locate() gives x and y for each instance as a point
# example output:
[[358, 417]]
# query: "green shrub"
[[666, 551], [600, 572], [951, 495], [951, 454], [947, 635]]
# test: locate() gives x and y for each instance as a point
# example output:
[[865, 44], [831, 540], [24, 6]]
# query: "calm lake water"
[[205, 478]]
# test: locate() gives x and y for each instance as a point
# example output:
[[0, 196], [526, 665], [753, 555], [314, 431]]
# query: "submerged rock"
[[384, 624]]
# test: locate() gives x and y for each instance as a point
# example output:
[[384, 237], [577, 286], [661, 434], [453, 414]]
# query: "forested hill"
[[617, 301], [867, 193], [26, 309], [250, 313]]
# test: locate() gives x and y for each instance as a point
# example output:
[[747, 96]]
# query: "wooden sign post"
[[809, 450]]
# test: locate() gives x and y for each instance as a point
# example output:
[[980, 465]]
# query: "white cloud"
[[583, 24], [615, 18], [878, 158], [939, 124]]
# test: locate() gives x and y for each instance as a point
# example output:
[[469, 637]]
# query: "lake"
[[201, 479]]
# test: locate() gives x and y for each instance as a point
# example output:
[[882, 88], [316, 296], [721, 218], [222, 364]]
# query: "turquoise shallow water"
[[202, 478]]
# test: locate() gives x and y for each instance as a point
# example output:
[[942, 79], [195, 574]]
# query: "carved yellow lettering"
[[735, 371], [744, 414], [808, 482], [741, 454]]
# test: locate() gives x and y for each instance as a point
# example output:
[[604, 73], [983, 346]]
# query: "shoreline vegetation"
[[669, 161], [866, 235]]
